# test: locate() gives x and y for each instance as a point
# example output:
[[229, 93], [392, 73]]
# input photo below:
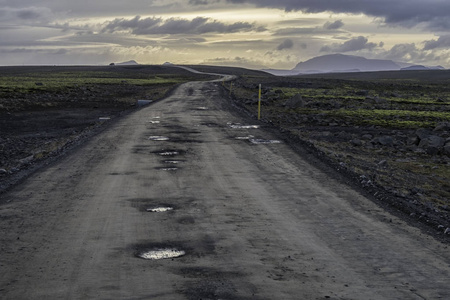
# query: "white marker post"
[[259, 103]]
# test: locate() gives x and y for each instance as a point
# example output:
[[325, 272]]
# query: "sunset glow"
[[253, 34]]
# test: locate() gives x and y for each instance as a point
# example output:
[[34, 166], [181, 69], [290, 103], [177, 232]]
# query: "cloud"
[[335, 25], [287, 44], [409, 52], [202, 2], [237, 61], [296, 31], [26, 14], [441, 42], [408, 13], [355, 44], [199, 25]]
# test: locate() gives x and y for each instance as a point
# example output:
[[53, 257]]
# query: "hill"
[[344, 63]]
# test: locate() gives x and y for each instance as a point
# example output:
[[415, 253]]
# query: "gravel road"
[[246, 216]]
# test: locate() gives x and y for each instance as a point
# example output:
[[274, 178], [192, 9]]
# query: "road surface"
[[244, 216]]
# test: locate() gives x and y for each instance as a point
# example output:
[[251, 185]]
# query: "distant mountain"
[[278, 72], [344, 63], [127, 63], [420, 67], [340, 63], [415, 68]]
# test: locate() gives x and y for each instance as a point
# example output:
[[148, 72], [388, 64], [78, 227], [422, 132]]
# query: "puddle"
[[158, 254], [201, 108], [167, 168], [244, 137], [160, 209], [143, 102], [169, 152], [262, 141], [240, 126], [154, 122], [152, 205], [158, 138], [104, 118], [172, 162]]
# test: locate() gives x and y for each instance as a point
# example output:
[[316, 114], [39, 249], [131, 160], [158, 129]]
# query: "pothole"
[[240, 126], [210, 124], [158, 138], [157, 254], [244, 137], [170, 169], [160, 209], [169, 152], [262, 141], [173, 162]]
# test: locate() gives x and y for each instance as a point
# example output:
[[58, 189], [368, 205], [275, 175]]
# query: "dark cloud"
[[335, 25], [286, 44], [26, 14], [441, 42], [435, 13], [202, 2], [199, 25], [355, 44], [410, 53]]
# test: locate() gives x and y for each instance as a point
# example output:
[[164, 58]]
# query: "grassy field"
[[30, 87], [394, 103]]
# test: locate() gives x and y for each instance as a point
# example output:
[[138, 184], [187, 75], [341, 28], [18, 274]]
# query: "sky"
[[246, 33]]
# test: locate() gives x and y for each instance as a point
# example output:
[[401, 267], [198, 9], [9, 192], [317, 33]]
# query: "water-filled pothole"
[[240, 126], [244, 137], [158, 138], [167, 169], [173, 162], [160, 209], [157, 254], [262, 141], [169, 152], [154, 122]]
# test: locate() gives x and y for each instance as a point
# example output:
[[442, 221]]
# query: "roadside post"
[[231, 88], [259, 103]]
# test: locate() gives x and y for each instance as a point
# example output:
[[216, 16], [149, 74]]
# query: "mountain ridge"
[[341, 63]]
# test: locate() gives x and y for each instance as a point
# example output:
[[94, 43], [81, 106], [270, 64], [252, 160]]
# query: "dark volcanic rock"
[[443, 126], [295, 102], [384, 140], [432, 144]]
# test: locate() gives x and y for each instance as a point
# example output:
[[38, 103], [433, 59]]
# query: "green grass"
[[58, 81], [345, 93], [378, 113]]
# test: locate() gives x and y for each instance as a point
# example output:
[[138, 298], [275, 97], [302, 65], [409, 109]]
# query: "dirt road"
[[250, 218]]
